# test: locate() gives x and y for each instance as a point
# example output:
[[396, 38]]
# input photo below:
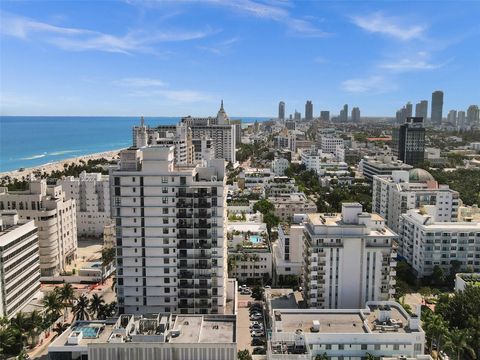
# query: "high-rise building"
[[171, 244], [19, 263], [325, 116], [426, 243], [349, 259], [55, 217], [409, 109], [297, 116], [473, 115], [452, 117], [401, 191], [461, 120], [421, 110], [309, 110], [343, 117], [281, 110], [356, 114], [219, 129], [408, 141], [437, 107], [91, 192]]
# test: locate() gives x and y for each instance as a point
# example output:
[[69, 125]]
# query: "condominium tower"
[[437, 107], [421, 110], [281, 110], [54, 216], [171, 245], [408, 141], [349, 259], [309, 110]]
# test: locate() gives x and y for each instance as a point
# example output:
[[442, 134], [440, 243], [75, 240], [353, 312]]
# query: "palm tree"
[[458, 343], [96, 303], [52, 304], [20, 323], [437, 329], [60, 328], [80, 309], [321, 357], [35, 322], [66, 295]]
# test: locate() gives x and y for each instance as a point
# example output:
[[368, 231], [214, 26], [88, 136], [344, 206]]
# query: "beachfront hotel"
[[19, 263], [349, 259], [218, 135], [91, 192], [171, 244], [54, 216]]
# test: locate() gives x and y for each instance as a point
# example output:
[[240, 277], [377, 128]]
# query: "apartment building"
[[425, 242], [381, 165], [19, 263], [287, 205], [395, 194], [91, 192], [288, 251], [54, 216], [171, 245], [149, 337], [349, 259], [333, 145], [322, 162], [280, 185], [380, 329], [279, 165]]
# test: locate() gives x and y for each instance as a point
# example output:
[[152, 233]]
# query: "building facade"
[[394, 195], [349, 259], [286, 206], [288, 251], [437, 107], [381, 165], [309, 110], [171, 245], [91, 192], [19, 263], [54, 216], [408, 141], [281, 110], [426, 243]]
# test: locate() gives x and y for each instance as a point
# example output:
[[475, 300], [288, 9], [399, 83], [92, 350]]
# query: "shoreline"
[[59, 165]]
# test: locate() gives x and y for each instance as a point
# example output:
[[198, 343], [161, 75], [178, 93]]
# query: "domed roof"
[[420, 176]]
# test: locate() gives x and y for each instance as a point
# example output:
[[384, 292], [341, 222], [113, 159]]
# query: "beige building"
[[288, 251], [149, 337], [290, 204], [349, 259], [19, 263], [55, 218]]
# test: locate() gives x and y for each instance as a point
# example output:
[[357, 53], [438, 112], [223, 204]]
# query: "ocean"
[[27, 141]]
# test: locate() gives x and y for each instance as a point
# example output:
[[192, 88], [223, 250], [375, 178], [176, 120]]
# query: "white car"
[[257, 333], [256, 327], [256, 316]]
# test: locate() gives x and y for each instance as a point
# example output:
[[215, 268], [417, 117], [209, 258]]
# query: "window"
[[396, 347], [364, 346], [165, 211]]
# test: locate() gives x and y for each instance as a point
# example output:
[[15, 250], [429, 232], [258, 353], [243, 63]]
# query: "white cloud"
[[379, 23], [373, 84], [220, 48], [75, 39], [140, 82], [415, 62]]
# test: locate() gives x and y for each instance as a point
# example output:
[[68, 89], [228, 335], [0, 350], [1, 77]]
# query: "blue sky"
[[161, 58]]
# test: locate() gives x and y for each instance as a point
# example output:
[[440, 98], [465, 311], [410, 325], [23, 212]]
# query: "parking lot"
[[244, 338]]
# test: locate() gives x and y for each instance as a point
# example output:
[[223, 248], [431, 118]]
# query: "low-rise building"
[[381, 329], [279, 165], [426, 243], [349, 259], [280, 185], [322, 162], [149, 337], [285, 206], [381, 165], [92, 195], [19, 263], [54, 216]]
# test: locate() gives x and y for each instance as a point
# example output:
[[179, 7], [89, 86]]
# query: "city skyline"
[[129, 63]]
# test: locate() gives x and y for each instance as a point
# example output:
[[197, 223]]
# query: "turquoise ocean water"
[[27, 141]]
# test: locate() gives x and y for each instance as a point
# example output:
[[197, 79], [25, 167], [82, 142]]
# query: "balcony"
[[184, 225], [185, 285], [184, 236], [184, 195], [185, 245], [186, 275], [203, 304], [183, 204], [203, 194], [184, 216], [202, 225], [203, 286], [203, 205], [185, 295]]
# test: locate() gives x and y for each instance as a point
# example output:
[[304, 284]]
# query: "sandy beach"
[[59, 165]]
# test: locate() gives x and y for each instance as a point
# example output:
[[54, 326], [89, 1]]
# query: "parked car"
[[257, 333], [259, 351], [256, 327], [256, 316], [258, 342], [253, 323]]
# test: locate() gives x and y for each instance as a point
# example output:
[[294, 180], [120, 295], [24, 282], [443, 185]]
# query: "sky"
[[175, 58]]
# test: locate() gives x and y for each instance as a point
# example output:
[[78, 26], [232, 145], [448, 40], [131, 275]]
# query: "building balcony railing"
[[184, 216], [203, 205], [203, 304], [184, 236], [184, 195], [182, 204]]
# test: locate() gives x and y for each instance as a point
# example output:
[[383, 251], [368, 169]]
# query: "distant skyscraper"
[[408, 142], [461, 120], [409, 109], [281, 110], [437, 107], [473, 115], [297, 116], [452, 117], [356, 114], [345, 113], [421, 110], [309, 110], [325, 115]]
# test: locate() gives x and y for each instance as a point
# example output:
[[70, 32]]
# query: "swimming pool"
[[255, 239], [88, 331]]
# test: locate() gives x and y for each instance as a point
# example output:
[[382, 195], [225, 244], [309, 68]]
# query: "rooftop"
[[194, 329]]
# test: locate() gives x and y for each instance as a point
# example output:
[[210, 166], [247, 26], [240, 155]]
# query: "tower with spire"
[[222, 117]]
